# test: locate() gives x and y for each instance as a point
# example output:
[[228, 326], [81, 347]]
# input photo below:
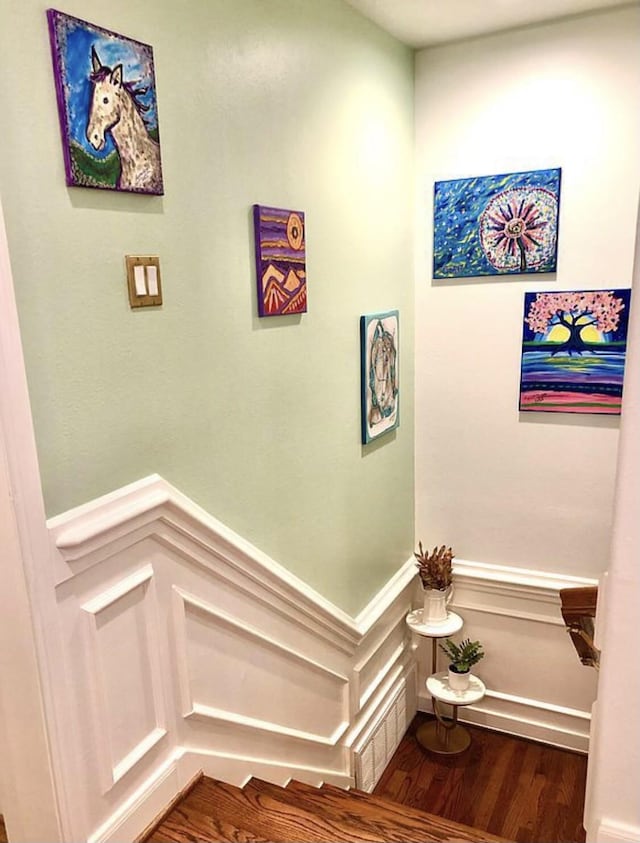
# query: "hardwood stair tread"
[[265, 816], [260, 812], [418, 814], [397, 822]]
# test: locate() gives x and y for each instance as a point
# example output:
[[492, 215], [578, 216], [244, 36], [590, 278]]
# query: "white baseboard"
[[525, 718], [142, 807], [237, 770], [612, 832]]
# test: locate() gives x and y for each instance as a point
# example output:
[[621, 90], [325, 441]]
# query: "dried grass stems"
[[435, 567]]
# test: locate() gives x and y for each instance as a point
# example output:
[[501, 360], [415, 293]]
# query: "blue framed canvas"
[[496, 225], [573, 351], [106, 92], [380, 394]]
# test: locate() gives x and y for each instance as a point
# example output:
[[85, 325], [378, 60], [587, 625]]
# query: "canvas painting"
[[573, 351], [496, 225], [379, 374], [281, 268], [106, 92]]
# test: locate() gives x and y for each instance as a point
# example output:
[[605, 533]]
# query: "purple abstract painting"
[[280, 261]]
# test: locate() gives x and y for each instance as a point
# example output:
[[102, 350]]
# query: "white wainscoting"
[[186, 649], [189, 649], [536, 686]]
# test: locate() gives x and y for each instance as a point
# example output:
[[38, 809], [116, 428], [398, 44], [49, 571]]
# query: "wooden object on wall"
[[579, 611]]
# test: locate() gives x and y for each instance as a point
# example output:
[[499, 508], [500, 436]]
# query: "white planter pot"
[[434, 610], [458, 681]]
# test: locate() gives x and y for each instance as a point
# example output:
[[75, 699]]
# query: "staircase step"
[[265, 816], [380, 816], [334, 819], [261, 812], [186, 824], [397, 813]]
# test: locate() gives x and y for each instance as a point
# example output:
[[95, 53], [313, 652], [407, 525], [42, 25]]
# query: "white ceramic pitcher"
[[434, 610]]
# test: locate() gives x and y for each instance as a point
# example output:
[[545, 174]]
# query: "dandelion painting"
[[573, 351], [496, 225], [379, 369], [280, 261], [106, 91]]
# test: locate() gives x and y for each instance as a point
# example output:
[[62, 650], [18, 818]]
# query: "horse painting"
[[379, 374], [106, 92], [116, 108]]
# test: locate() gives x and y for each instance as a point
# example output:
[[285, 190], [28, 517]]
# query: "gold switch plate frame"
[[142, 260]]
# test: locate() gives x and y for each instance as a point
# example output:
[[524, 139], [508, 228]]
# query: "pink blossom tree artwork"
[[573, 351]]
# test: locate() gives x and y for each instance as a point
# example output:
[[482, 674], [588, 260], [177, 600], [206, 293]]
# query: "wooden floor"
[[524, 791]]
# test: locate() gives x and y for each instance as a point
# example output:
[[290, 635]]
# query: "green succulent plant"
[[464, 655]]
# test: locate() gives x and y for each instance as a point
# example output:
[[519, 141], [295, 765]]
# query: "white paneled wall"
[[187, 649], [190, 650]]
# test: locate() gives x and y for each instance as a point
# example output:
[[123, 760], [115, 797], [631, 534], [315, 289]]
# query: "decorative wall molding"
[[112, 769], [232, 665], [227, 662], [512, 592]]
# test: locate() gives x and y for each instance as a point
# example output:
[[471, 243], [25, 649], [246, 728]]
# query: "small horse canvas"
[[380, 392], [106, 92]]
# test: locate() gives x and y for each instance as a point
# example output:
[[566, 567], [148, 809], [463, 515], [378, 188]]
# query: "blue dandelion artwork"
[[496, 225]]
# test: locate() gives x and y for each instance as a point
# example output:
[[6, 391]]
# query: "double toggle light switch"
[[143, 280]]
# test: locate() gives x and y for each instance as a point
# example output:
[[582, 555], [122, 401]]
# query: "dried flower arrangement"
[[435, 567]]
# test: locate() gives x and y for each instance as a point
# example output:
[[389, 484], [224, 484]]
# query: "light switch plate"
[[145, 300]]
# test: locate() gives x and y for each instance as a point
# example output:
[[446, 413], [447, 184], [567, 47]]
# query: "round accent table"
[[443, 736], [448, 737]]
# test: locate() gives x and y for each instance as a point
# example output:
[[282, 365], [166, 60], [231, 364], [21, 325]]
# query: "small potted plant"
[[436, 573], [462, 657]]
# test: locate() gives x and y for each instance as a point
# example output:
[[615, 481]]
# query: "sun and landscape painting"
[[496, 225], [106, 92], [280, 261], [573, 351]]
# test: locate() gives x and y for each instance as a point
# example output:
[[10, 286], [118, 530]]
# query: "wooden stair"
[[300, 813]]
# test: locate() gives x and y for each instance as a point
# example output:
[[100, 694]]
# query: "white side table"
[[443, 736], [449, 737], [449, 627]]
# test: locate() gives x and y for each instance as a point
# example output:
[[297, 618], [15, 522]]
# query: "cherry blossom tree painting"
[[496, 225], [573, 351]]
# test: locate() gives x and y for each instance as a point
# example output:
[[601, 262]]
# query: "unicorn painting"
[[106, 92]]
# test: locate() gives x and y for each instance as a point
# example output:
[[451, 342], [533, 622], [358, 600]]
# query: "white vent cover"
[[381, 740]]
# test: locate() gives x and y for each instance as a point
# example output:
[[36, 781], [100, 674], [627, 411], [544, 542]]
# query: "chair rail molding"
[[190, 649]]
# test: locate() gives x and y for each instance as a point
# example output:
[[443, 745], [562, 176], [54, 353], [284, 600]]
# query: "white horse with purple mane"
[[116, 108]]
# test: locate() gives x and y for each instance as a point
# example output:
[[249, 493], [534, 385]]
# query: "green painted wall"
[[294, 103]]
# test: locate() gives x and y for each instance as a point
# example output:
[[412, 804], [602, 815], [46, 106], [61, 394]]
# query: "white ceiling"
[[423, 23]]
